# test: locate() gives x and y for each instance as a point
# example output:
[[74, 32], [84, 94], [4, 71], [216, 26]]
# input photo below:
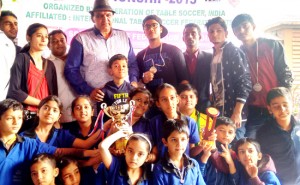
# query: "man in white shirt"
[[58, 46], [7, 57]]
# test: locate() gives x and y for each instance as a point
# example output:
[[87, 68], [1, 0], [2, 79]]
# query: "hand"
[[134, 84], [226, 154], [148, 77], [237, 119], [91, 153], [207, 148], [213, 136], [252, 170], [97, 95]]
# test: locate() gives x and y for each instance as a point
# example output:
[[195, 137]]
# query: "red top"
[[34, 76], [191, 62]]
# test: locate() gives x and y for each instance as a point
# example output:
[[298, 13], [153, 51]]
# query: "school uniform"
[[117, 173], [58, 137], [165, 172], [156, 132], [266, 173], [142, 126], [15, 163]]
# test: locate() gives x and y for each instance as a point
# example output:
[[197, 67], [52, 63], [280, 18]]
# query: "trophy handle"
[[213, 113]]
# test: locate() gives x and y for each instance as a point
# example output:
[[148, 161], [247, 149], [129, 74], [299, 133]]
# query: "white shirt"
[[7, 58], [65, 92]]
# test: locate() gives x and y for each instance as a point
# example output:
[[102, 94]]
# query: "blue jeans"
[[257, 116]]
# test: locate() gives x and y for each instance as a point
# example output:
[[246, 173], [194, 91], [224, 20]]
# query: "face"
[[83, 110], [11, 122], [136, 153], [245, 31], [38, 40], [176, 143], [58, 44], [9, 25], [188, 100], [119, 69], [281, 107], [142, 102], [152, 29], [49, 113], [225, 134], [191, 37], [43, 173], [217, 34], [103, 20], [168, 101], [247, 154], [70, 175]]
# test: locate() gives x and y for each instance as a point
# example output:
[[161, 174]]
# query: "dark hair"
[[247, 140], [278, 92], [137, 90], [10, 104], [172, 125], [240, 19], [5, 13], [115, 58], [51, 98], [30, 31], [186, 87], [54, 32], [84, 97], [162, 87], [193, 25], [140, 137], [65, 162], [216, 20], [222, 120], [44, 157]]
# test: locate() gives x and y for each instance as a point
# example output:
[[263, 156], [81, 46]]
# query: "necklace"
[[257, 87], [153, 69]]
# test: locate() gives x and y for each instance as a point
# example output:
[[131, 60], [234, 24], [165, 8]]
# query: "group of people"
[[52, 129]]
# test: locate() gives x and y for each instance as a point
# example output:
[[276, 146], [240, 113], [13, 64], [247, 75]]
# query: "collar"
[[52, 58], [123, 171], [222, 47], [97, 32], [169, 167], [195, 54]]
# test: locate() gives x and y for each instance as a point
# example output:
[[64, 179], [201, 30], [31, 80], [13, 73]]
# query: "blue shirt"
[[58, 137], [15, 163], [165, 172], [156, 132], [117, 173], [142, 126]]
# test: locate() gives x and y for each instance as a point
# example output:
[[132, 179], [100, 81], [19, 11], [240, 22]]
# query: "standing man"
[[230, 76], [9, 25], [198, 65], [7, 58], [86, 66], [58, 46], [268, 69], [160, 62]]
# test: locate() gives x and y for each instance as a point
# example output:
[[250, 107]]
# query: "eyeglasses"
[[149, 26]]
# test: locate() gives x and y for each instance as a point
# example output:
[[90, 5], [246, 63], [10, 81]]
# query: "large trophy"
[[120, 115], [212, 114]]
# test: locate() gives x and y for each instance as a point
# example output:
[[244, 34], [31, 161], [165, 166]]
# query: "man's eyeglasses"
[[149, 26]]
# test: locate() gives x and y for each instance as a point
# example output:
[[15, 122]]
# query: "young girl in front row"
[[69, 173], [254, 167], [43, 169], [131, 168]]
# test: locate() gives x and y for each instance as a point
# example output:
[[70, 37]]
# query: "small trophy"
[[120, 114], [212, 114]]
